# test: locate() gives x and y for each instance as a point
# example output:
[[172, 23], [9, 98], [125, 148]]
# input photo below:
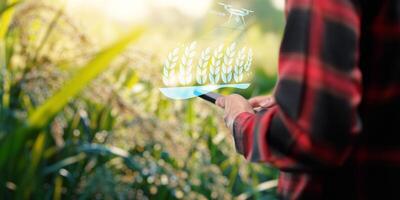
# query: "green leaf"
[[42, 115], [63, 163], [85, 151], [6, 14], [259, 188], [30, 177], [98, 149], [58, 188]]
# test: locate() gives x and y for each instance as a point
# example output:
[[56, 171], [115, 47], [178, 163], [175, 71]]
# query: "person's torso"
[[373, 169], [378, 151]]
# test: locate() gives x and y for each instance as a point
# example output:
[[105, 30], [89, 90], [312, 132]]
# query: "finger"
[[261, 101], [268, 102], [220, 102], [256, 101], [227, 119]]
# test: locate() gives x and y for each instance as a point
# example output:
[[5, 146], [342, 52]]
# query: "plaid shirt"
[[334, 132]]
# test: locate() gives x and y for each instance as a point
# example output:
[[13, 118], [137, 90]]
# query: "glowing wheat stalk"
[[185, 68], [201, 75], [169, 68], [239, 65], [227, 64], [215, 65], [247, 67]]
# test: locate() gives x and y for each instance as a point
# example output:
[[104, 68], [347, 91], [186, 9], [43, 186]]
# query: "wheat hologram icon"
[[187, 74]]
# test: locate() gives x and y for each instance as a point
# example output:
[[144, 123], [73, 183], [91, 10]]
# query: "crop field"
[[82, 115]]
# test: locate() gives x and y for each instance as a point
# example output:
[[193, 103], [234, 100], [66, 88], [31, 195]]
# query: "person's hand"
[[233, 105], [262, 102]]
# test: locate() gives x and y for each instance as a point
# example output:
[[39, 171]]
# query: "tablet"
[[210, 97]]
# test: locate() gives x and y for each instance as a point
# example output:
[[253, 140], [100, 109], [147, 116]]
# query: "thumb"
[[220, 102]]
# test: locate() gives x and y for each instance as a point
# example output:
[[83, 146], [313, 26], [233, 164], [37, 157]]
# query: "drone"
[[239, 13]]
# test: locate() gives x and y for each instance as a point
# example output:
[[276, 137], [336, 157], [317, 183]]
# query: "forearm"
[[246, 129], [270, 137]]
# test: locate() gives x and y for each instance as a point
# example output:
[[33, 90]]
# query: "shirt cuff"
[[242, 130]]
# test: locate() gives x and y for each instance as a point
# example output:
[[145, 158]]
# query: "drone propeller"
[[250, 11], [227, 6]]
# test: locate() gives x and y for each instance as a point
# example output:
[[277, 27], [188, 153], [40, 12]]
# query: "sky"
[[130, 11], [107, 19], [136, 10]]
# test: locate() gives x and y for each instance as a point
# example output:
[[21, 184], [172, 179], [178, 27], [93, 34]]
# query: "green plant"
[[92, 124]]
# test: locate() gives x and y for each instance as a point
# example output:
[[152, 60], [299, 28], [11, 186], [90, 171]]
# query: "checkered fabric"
[[334, 132]]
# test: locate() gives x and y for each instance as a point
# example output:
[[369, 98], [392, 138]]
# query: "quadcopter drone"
[[239, 13]]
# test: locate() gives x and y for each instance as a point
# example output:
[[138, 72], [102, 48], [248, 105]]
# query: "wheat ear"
[[249, 62], [185, 68], [215, 65], [201, 75], [169, 68], [239, 65], [227, 67]]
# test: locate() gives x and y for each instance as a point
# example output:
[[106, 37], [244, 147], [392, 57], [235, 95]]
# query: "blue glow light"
[[180, 93]]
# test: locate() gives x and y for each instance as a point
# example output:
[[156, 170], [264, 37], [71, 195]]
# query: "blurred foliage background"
[[81, 115]]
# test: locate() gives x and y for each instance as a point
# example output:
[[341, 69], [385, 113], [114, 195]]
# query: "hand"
[[233, 105], [262, 102]]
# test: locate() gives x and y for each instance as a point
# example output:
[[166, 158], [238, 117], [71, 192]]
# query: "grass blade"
[[41, 116], [6, 15], [63, 163], [30, 177], [261, 187]]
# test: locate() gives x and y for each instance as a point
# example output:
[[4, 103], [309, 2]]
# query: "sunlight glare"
[[194, 8], [130, 11]]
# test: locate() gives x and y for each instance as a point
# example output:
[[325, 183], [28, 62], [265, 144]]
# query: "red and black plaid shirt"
[[335, 131]]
